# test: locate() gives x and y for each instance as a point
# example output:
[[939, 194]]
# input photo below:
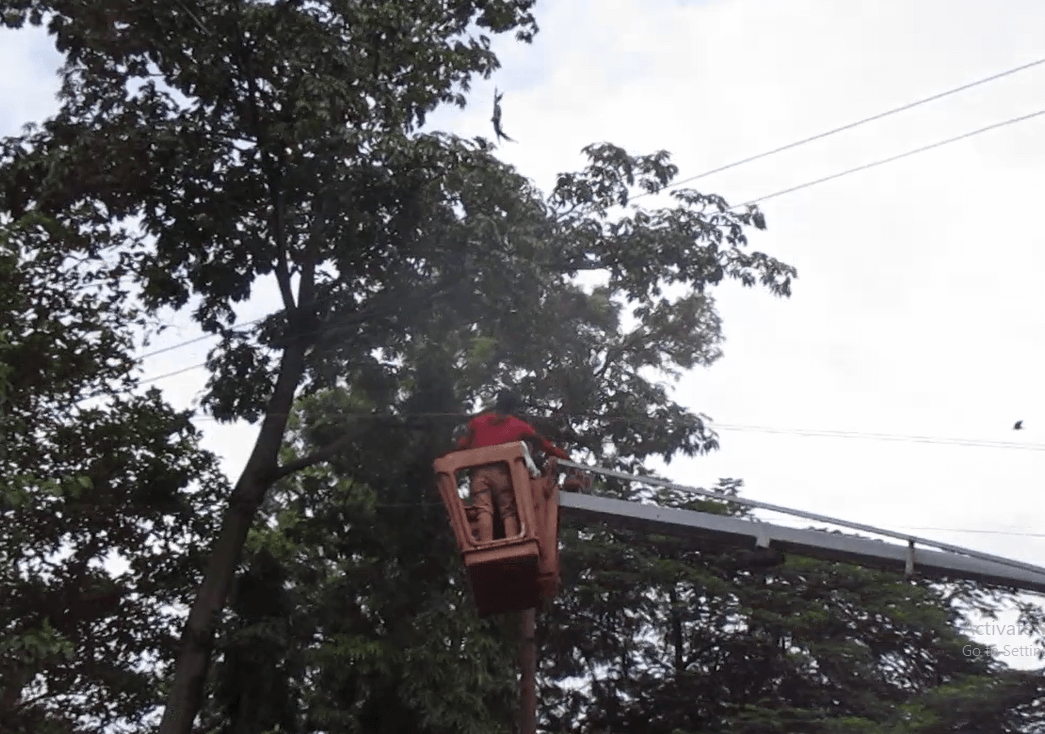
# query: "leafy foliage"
[[679, 637], [352, 615], [202, 148], [103, 501], [252, 139], [650, 634]]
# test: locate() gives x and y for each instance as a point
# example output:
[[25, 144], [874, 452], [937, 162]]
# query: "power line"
[[760, 156], [1007, 533], [976, 531], [198, 339], [726, 427], [443, 290], [749, 159], [182, 371], [850, 126], [995, 126], [766, 197], [179, 345], [1001, 533], [883, 437]]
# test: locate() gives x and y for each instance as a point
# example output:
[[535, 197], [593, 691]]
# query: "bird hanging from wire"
[[1018, 426], [496, 119]]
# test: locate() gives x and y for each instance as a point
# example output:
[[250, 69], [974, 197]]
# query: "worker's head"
[[507, 402]]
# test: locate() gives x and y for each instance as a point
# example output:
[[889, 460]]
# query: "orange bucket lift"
[[515, 573]]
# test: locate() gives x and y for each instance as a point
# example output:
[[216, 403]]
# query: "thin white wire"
[[882, 437], [891, 159], [851, 125], [759, 156]]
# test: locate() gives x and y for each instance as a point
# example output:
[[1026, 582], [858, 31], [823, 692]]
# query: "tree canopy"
[[106, 499], [201, 149]]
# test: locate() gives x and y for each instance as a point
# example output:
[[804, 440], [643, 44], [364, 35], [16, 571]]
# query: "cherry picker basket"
[[506, 573]]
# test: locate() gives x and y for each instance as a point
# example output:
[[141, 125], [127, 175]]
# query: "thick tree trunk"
[[676, 630], [528, 665], [262, 470], [11, 696], [186, 694]]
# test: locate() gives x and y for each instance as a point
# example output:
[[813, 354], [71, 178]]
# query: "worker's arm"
[[465, 441], [547, 446]]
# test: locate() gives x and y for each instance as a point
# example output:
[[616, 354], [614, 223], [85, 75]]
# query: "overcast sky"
[[919, 308]]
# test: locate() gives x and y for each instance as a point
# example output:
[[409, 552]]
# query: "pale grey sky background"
[[919, 308]]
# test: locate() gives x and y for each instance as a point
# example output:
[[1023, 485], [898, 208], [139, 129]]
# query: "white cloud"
[[29, 80]]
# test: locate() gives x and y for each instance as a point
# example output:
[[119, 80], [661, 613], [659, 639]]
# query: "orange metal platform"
[[507, 574]]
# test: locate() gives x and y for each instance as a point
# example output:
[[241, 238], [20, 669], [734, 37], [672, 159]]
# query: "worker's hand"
[[577, 482]]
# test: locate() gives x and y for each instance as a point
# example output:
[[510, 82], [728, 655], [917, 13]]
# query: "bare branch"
[[317, 457]]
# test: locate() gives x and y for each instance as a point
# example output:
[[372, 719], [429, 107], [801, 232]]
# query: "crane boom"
[[812, 543]]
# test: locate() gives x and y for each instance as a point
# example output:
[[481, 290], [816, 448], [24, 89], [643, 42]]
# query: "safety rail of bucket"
[[506, 573]]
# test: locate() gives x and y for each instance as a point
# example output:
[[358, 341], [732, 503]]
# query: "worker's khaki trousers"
[[491, 483]]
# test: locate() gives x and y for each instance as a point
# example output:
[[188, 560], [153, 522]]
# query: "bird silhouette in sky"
[[1018, 426], [496, 119]]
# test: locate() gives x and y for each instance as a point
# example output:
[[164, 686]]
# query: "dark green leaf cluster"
[[104, 500], [351, 613], [203, 148], [669, 637]]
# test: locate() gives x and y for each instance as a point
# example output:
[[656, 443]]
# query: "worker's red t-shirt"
[[491, 429]]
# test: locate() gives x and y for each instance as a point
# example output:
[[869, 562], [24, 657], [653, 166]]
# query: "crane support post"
[[828, 546]]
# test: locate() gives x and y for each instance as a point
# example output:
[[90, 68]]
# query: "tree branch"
[[279, 232], [307, 287], [272, 178], [393, 304], [614, 353], [316, 457], [417, 421], [580, 265]]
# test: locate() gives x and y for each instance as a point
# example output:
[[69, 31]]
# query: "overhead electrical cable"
[[750, 159], [730, 427], [851, 125], [891, 159], [883, 437], [751, 202]]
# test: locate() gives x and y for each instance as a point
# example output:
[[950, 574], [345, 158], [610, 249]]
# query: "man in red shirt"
[[493, 428]]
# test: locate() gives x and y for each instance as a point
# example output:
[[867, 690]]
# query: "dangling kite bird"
[[496, 119]]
